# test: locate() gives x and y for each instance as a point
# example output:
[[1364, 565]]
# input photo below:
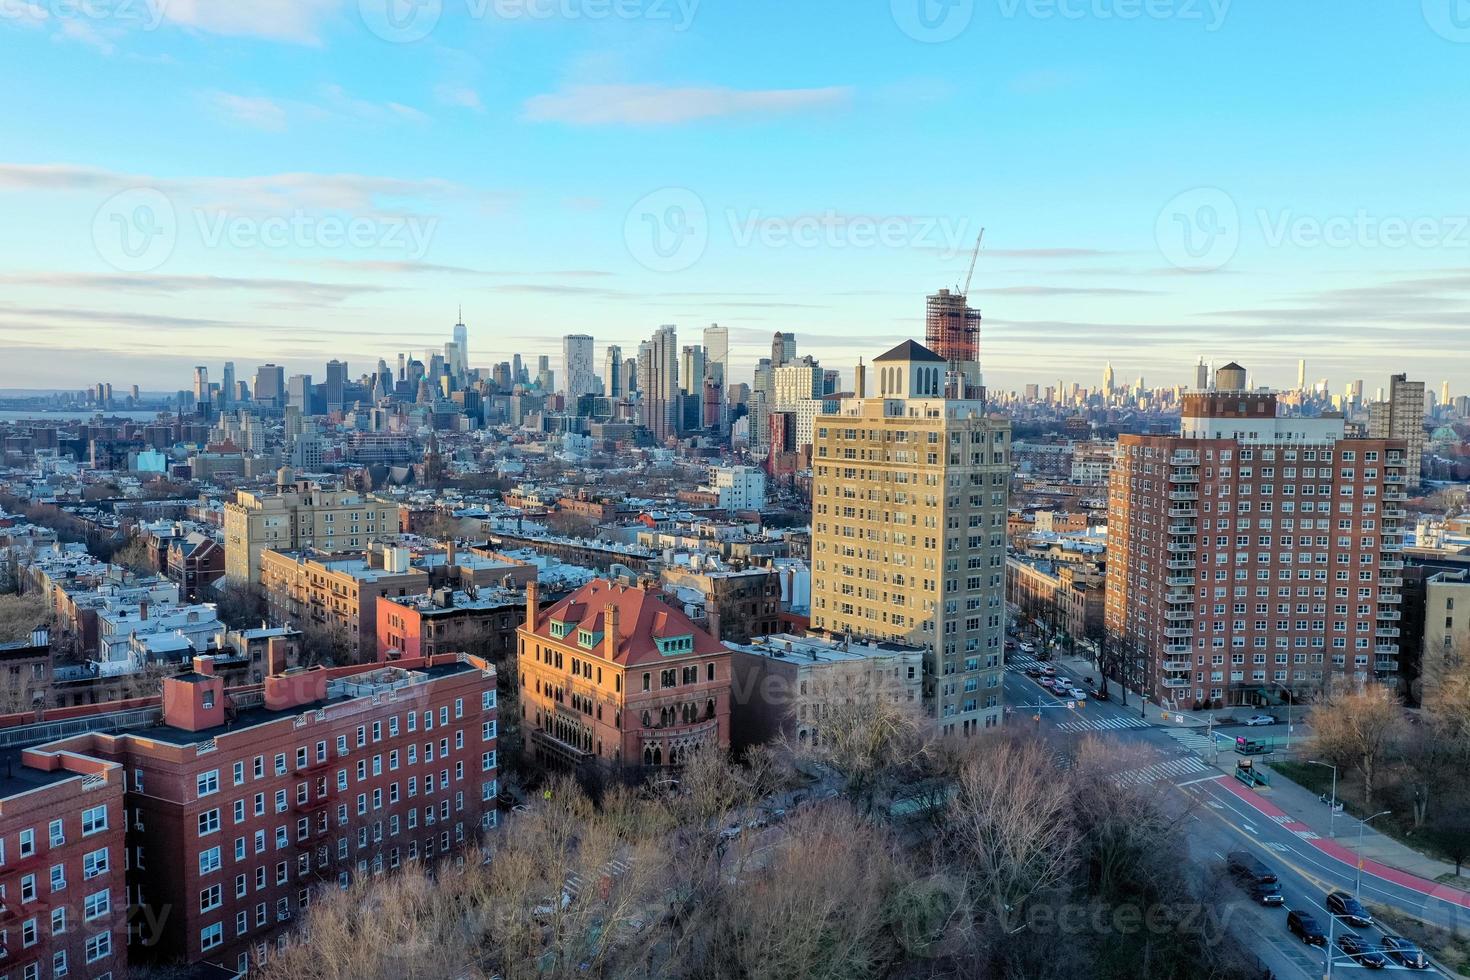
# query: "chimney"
[[860, 380], [532, 605], [143, 610], [449, 554], [712, 615], [204, 665], [610, 636], [275, 655]]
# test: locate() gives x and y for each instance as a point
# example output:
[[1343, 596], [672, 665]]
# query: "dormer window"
[[559, 629], [676, 644], [588, 639]]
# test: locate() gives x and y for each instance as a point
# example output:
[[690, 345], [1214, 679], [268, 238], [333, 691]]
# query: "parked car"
[[1405, 952], [1349, 909], [1077, 694], [1306, 928], [1267, 893], [1255, 720], [1100, 694], [1363, 954]]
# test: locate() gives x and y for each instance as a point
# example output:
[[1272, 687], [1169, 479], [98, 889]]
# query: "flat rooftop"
[[814, 649]]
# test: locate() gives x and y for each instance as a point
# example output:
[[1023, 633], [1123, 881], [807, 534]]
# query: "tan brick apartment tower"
[[1252, 554], [909, 498]]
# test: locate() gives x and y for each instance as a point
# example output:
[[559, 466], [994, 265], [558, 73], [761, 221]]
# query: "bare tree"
[[1358, 729], [20, 614]]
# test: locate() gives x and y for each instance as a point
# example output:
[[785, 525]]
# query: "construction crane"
[[965, 290]]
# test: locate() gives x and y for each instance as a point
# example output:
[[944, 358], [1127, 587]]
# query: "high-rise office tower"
[[783, 349], [612, 372], [298, 393], [630, 375], [227, 383], [1252, 552], [1401, 416], [717, 351], [691, 370], [336, 384], [1108, 378], [1201, 375], [1301, 375], [940, 583], [578, 373], [952, 327], [270, 386], [517, 370], [201, 384], [1444, 392], [462, 346], [658, 379]]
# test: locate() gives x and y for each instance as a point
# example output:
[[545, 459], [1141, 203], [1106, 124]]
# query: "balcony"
[[1388, 597], [1392, 565], [1390, 614], [1183, 512], [1177, 665], [1180, 580], [1183, 495], [1386, 666], [1183, 529], [1387, 633], [1391, 582], [1393, 477], [1176, 648], [1391, 649], [1391, 546], [1181, 564], [1179, 615], [1181, 546], [1175, 683], [1395, 514], [1184, 458], [1183, 477], [1178, 633]]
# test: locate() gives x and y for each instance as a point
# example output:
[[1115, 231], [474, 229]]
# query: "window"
[[99, 946], [95, 863], [97, 905], [58, 877], [239, 773], [209, 861], [211, 898], [57, 833], [58, 963], [208, 822], [94, 820], [208, 782], [27, 842], [58, 921], [211, 936]]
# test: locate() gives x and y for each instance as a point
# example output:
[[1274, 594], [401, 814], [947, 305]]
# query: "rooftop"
[[818, 649]]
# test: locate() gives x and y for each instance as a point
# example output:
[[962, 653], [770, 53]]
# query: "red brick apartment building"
[[1253, 556], [615, 674], [63, 903], [236, 808]]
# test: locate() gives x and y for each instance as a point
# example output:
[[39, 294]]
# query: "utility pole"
[[1358, 888]]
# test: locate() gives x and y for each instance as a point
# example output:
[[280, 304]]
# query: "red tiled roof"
[[643, 617]]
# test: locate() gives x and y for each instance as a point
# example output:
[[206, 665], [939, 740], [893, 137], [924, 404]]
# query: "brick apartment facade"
[[1252, 555], [63, 903], [481, 621], [237, 810], [612, 673]]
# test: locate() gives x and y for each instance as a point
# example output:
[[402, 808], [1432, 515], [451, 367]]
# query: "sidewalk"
[[1080, 667], [1304, 806]]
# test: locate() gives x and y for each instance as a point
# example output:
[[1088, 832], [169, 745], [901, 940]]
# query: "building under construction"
[[951, 328]]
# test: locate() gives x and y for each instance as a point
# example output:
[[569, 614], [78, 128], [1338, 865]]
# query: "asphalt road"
[[1228, 816]]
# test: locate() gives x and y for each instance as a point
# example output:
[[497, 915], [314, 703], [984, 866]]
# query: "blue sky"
[[190, 181]]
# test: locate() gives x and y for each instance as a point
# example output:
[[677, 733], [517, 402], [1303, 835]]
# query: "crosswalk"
[[1192, 739], [1017, 663], [1101, 724], [1186, 765], [612, 869]]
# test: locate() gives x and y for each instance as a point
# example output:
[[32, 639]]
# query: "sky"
[[193, 181]]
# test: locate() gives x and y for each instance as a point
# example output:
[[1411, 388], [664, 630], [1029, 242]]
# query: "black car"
[[1099, 694], [1364, 955], [1405, 952], [1267, 893], [1349, 909], [1306, 927], [1247, 867]]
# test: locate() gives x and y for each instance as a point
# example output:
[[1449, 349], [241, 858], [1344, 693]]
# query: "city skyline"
[[339, 206]]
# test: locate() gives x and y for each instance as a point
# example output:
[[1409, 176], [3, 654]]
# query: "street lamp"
[[1332, 814], [1358, 888], [1287, 691]]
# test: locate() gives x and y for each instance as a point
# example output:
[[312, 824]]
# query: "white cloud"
[[295, 21], [461, 96], [655, 105], [253, 111]]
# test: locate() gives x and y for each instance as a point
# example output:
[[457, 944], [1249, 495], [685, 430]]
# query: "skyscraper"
[[1201, 375], [612, 372], [691, 369], [783, 349], [298, 393], [940, 581], [658, 379], [952, 327], [1301, 375], [336, 384], [1252, 552], [717, 351], [227, 383], [201, 384], [462, 343], [1108, 378], [270, 386], [579, 375]]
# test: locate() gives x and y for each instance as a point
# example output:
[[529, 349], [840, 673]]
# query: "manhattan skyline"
[[297, 182]]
